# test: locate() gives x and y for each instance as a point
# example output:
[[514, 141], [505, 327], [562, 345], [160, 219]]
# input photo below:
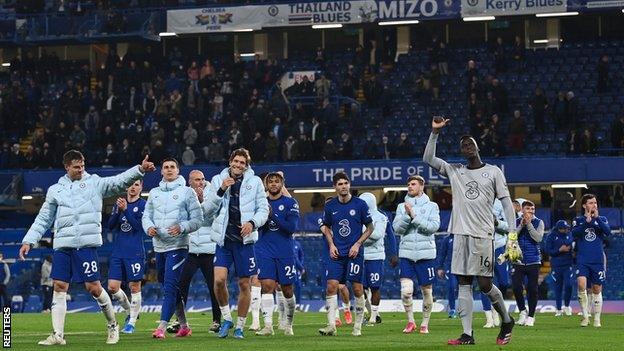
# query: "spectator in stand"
[[403, 149], [500, 61], [188, 156], [572, 109], [322, 86], [442, 59], [574, 142], [272, 147], [78, 138], [559, 111], [289, 151], [496, 135], [433, 77], [329, 150], [190, 135], [604, 82], [319, 57], [193, 74], [617, 135], [588, 143], [109, 158], [516, 133], [214, 151], [385, 147], [500, 94], [517, 53], [539, 104], [471, 73], [372, 91], [345, 147]]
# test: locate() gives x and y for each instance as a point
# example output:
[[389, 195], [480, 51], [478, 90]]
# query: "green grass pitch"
[[86, 332]]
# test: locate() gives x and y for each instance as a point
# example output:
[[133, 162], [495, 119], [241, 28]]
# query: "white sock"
[[291, 304], [464, 307], [597, 306], [590, 302], [488, 317], [582, 297], [281, 306], [267, 309], [369, 294], [256, 293], [374, 313], [407, 291], [225, 312], [427, 304], [135, 307], [107, 306], [346, 306], [332, 308], [58, 312], [360, 302], [120, 296], [337, 313], [240, 322]]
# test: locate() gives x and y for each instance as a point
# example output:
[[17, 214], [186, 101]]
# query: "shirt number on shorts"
[[601, 275], [136, 268], [354, 268], [89, 267], [252, 262], [485, 262], [290, 270], [344, 230], [374, 277], [431, 272]]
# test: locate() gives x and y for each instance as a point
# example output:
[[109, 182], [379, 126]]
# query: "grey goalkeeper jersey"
[[474, 191]]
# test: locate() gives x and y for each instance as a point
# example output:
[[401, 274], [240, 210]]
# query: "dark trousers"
[[531, 273], [47, 296], [4, 296], [204, 262]]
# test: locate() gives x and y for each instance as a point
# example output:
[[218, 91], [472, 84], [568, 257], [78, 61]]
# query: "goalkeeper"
[[530, 231], [474, 185]]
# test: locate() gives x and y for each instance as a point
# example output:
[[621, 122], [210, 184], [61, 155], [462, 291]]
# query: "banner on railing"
[[290, 78], [510, 7], [237, 18], [380, 173]]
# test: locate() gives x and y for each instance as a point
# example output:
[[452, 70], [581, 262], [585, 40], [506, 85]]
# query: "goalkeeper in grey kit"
[[474, 187]]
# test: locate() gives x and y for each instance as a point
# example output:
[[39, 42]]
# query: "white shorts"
[[472, 256]]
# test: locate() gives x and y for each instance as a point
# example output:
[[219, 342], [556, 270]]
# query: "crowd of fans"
[[199, 109]]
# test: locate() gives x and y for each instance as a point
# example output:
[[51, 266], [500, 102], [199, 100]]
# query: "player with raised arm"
[[74, 206], [275, 254], [559, 246], [343, 220], [590, 231], [238, 201], [474, 186], [171, 213], [127, 262], [416, 221]]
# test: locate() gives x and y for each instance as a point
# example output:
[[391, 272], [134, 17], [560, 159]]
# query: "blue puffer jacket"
[[200, 241], [417, 239], [75, 209], [531, 252], [168, 204], [254, 206], [374, 248]]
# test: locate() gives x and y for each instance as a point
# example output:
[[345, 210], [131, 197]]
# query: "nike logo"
[[335, 212], [174, 255], [89, 275]]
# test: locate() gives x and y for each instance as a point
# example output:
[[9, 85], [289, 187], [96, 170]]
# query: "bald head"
[[197, 179]]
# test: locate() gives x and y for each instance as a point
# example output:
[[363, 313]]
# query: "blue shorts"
[[373, 271], [346, 269], [595, 273], [501, 271], [242, 256], [422, 271], [170, 264], [75, 265], [126, 269], [281, 270]]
